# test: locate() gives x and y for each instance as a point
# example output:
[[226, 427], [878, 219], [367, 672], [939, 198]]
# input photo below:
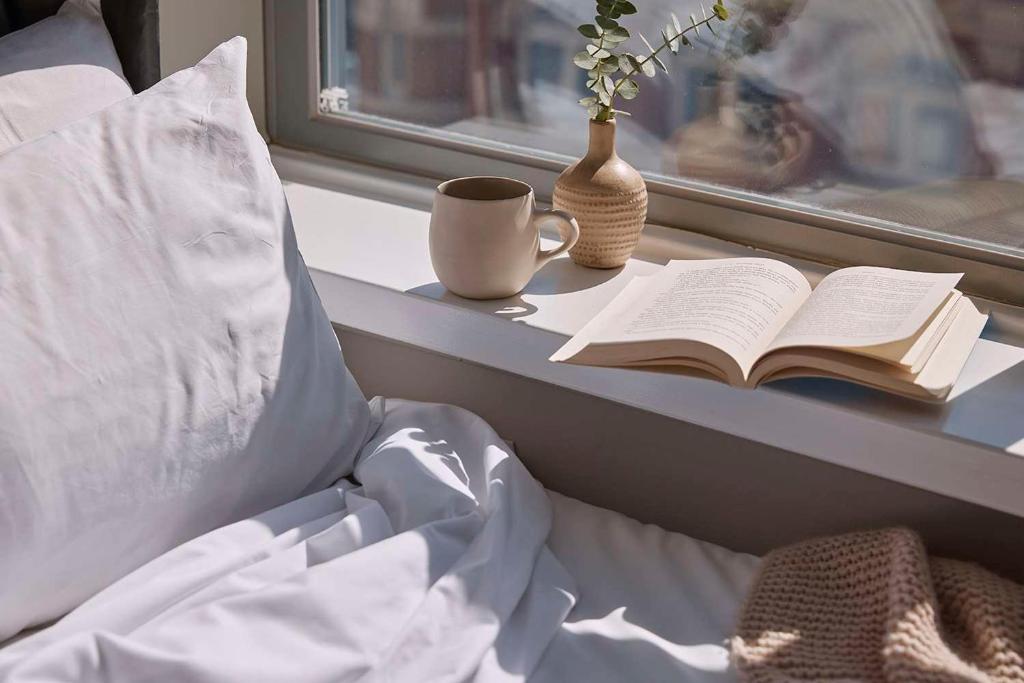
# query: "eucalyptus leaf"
[[626, 7], [608, 83], [585, 60], [593, 110], [605, 22], [598, 52], [629, 89], [693, 22], [647, 67], [609, 8], [605, 98], [589, 30], [720, 11], [646, 43], [588, 101], [666, 37], [621, 111], [619, 34]]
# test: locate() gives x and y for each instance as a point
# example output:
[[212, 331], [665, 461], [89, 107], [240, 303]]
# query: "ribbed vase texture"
[[608, 197]]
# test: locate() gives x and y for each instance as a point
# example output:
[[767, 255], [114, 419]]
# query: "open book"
[[751, 320]]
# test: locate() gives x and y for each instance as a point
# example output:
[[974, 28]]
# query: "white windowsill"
[[370, 262]]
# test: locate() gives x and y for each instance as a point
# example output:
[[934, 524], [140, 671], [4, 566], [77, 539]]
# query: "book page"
[[737, 305], [625, 301], [864, 306]]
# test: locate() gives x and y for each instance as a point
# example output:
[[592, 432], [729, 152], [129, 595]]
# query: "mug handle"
[[563, 218]]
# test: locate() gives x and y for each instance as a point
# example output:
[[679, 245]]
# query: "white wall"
[[189, 29]]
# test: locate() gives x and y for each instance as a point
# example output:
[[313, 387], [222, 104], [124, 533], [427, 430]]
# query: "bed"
[[614, 600]]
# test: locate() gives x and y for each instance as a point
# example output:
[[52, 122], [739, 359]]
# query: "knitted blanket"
[[873, 606]]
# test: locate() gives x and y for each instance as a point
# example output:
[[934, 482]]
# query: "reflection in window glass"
[[911, 111]]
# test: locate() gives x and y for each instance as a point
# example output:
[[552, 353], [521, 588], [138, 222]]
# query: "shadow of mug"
[[485, 236]]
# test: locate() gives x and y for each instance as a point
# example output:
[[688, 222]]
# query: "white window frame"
[[295, 120]]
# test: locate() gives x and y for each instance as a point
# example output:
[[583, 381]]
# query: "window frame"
[[293, 63]]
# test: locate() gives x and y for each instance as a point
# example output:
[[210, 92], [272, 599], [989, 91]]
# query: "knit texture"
[[872, 606]]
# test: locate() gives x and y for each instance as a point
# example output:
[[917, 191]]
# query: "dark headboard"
[[133, 24]]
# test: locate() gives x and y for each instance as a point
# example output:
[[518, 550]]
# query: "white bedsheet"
[[651, 605], [438, 567]]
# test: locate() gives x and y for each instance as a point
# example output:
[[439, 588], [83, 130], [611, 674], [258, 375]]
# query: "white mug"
[[484, 236]]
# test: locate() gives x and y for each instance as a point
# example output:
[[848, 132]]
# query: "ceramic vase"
[[608, 197]]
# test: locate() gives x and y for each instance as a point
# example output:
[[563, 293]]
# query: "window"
[[896, 121]]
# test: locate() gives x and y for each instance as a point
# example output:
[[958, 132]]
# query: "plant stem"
[[607, 112]]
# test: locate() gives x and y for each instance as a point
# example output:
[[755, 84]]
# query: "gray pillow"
[[166, 365], [57, 71]]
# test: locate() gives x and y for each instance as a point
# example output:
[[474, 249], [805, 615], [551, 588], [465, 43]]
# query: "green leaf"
[[709, 25], [608, 67], [626, 7], [720, 11], [661, 64], [608, 84], [629, 89], [666, 37], [693, 21], [621, 111], [609, 8], [588, 101], [619, 34], [675, 24], [605, 22], [599, 53], [593, 110], [584, 60], [589, 30], [648, 67], [647, 44], [604, 97]]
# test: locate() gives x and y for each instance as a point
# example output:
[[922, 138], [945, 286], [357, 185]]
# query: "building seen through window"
[[907, 111]]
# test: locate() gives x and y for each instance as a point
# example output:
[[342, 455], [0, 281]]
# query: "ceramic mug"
[[485, 238]]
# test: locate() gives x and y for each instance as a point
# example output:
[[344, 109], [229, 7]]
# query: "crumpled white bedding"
[[442, 564]]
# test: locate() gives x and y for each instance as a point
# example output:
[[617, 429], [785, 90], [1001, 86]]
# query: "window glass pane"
[[909, 111]]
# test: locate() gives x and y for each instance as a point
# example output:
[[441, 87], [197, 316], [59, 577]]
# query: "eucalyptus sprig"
[[610, 68]]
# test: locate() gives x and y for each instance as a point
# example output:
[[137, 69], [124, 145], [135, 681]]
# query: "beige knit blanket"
[[873, 606]]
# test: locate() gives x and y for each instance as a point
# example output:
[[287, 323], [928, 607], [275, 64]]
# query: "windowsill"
[[370, 262]]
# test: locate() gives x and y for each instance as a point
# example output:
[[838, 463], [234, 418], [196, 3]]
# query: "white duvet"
[[433, 569], [436, 566]]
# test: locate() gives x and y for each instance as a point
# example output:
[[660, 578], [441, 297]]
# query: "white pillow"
[[57, 71], [166, 365]]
